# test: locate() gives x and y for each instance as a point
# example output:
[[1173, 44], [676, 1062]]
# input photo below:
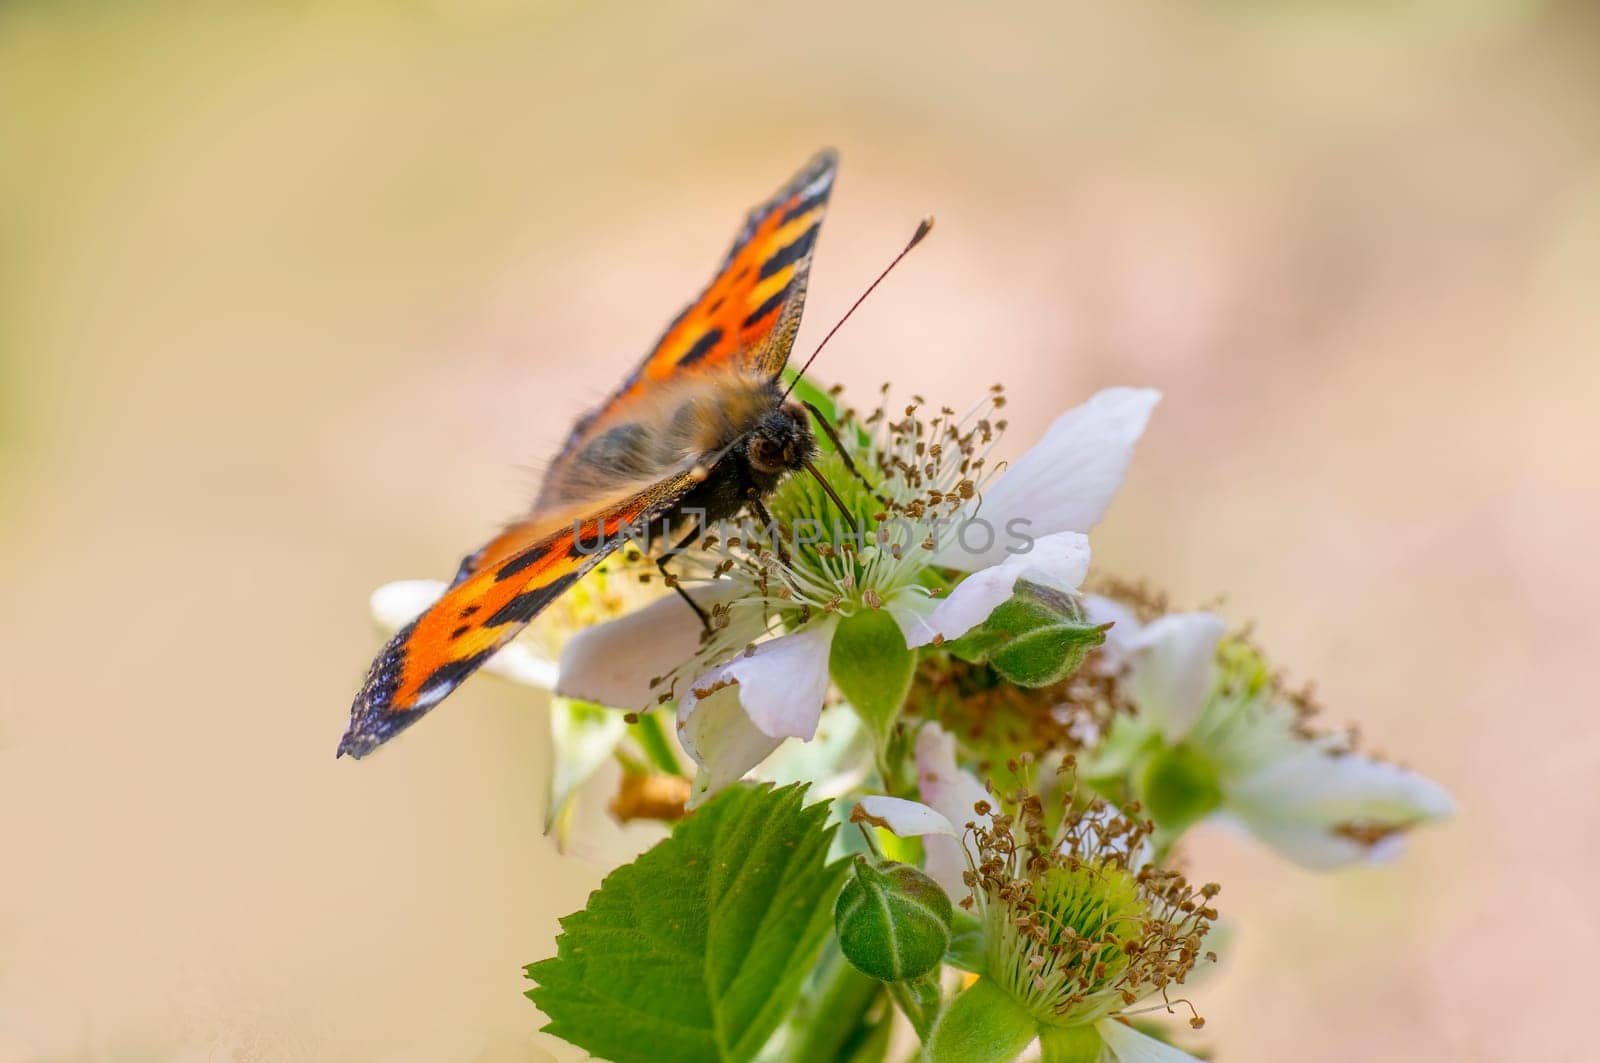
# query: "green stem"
[[653, 741], [873, 1047], [891, 754], [885, 769], [833, 1013], [919, 999]]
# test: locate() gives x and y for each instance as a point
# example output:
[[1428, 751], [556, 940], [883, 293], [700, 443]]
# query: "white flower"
[[761, 675], [1212, 737], [620, 662], [1078, 925]]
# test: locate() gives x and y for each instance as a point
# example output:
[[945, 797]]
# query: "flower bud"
[[893, 921], [1039, 637]]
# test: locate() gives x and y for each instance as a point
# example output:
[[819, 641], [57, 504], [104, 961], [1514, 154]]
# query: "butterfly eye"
[[766, 454]]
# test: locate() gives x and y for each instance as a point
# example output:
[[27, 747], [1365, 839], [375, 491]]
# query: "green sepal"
[[1036, 638], [872, 668], [982, 1025], [1070, 1044], [966, 942]]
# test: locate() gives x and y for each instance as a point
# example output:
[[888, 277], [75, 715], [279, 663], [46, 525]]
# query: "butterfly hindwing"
[[485, 609]]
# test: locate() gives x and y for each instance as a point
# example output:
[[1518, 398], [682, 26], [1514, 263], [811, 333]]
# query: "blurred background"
[[295, 300]]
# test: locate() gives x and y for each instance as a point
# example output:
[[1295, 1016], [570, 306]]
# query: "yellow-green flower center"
[[835, 558], [1179, 785], [1063, 951], [1077, 926]]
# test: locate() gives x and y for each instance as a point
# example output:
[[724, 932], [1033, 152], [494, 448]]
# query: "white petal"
[[1125, 627], [908, 819], [718, 734], [1326, 810], [521, 663], [394, 605], [782, 683], [1066, 480], [952, 793], [1128, 1045], [1060, 561], [613, 663], [946, 788], [584, 738], [1171, 670], [735, 716], [911, 607]]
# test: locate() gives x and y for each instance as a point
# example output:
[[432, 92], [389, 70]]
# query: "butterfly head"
[[779, 443]]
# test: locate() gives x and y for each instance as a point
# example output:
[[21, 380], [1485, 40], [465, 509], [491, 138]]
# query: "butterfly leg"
[[671, 579], [767, 522], [838, 446]]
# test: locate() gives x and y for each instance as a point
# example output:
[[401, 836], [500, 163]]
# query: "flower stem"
[[832, 1015], [920, 1001]]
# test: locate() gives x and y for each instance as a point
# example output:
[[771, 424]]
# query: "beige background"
[[291, 304]]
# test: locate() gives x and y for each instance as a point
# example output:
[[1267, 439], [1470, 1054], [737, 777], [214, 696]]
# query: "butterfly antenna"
[[924, 227]]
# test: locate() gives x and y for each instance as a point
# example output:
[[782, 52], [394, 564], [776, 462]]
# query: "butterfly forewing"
[[740, 328]]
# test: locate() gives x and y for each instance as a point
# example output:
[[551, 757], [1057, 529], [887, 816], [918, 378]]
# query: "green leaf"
[[872, 667], [697, 949], [1036, 638]]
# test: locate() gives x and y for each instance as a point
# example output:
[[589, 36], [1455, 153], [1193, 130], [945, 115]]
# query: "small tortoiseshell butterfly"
[[702, 425]]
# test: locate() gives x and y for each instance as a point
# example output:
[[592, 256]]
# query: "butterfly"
[[701, 427]]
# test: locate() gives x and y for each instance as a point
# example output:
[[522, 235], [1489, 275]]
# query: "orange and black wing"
[[485, 609], [748, 315], [743, 324]]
